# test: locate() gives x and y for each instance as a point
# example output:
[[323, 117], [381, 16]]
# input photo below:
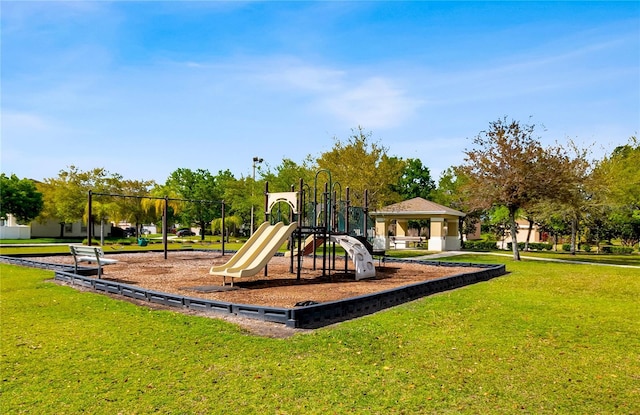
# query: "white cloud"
[[374, 103], [350, 95]]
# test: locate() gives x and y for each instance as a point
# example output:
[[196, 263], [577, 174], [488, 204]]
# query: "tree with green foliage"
[[617, 179], [415, 181], [155, 205], [361, 163], [238, 200], [132, 209], [104, 207], [597, 225], [453, 192], [620, 173], [19, 198], [571, 197], [288, 173], [204, 196], [498, 222], [232, 225], [65, 196]]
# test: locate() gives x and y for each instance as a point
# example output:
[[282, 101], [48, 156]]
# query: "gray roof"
[[417, 207]]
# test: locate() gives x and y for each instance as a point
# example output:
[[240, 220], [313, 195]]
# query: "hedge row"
[[533, 246], [607, 249], [480, 245]]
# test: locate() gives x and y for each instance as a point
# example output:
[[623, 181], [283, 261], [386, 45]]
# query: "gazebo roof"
[[416, 207]]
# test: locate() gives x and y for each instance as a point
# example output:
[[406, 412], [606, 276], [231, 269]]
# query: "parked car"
[[185, 232], [130, 231]]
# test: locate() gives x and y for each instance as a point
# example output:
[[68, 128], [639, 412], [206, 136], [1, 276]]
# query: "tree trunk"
[[526, 243], [202, 231], [61, 229], [574, 231], [514, 234]]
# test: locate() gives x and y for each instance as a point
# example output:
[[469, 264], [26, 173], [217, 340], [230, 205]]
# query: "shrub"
[[586, 247], [533, 246], [609, 249], [566, 247], [540, 246], [479, 245]]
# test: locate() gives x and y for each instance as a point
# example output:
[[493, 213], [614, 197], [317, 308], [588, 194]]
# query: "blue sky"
[[144, 88]]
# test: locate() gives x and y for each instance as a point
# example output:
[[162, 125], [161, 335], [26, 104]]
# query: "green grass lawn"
[[546, 338], [628, 259]]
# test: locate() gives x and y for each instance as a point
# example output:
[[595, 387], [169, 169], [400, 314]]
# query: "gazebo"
[[443, 231]]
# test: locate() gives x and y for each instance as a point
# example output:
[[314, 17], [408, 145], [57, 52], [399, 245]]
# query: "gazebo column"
[[437, 239], [381, 238], [452, 242], [402, 226]]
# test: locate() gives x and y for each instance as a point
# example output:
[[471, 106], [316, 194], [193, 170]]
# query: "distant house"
[[10, 229], [54, 229], [522, 230]]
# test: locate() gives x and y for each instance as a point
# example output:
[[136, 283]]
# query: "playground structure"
[[309, 220], [311, 223]]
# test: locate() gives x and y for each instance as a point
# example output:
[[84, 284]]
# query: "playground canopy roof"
[[416, 208]]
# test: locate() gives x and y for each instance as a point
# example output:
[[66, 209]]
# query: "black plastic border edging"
[[313, 316]]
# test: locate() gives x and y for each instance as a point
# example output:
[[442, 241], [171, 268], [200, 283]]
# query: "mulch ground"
[[187, 273]]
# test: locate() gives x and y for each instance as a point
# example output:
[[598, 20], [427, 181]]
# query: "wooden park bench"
[[90, 254]]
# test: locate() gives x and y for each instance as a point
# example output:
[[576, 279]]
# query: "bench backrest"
[[86, 250]]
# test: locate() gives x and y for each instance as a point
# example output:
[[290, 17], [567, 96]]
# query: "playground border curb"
[[309, 317]]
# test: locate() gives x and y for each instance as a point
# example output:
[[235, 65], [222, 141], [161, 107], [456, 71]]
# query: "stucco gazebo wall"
[[444, 234]]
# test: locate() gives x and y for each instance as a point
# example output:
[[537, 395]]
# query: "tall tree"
[[415, 181], [203, 194], [361, 163], [155, 206], [238, 200], [452, 191], [617, 179], [620, 175], [20, 198], [65, 196], [572, 196], [288, 174], [509, 168], [133, 209]]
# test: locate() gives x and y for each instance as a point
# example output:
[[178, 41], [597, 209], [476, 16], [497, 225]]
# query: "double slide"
[[256, 252]]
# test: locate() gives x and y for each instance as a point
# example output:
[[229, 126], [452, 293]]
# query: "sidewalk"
[[448, 254]]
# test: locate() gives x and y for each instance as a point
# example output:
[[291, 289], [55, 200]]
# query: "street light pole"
[[255, 160]]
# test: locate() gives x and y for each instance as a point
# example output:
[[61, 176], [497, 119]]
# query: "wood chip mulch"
[[187, 273]]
